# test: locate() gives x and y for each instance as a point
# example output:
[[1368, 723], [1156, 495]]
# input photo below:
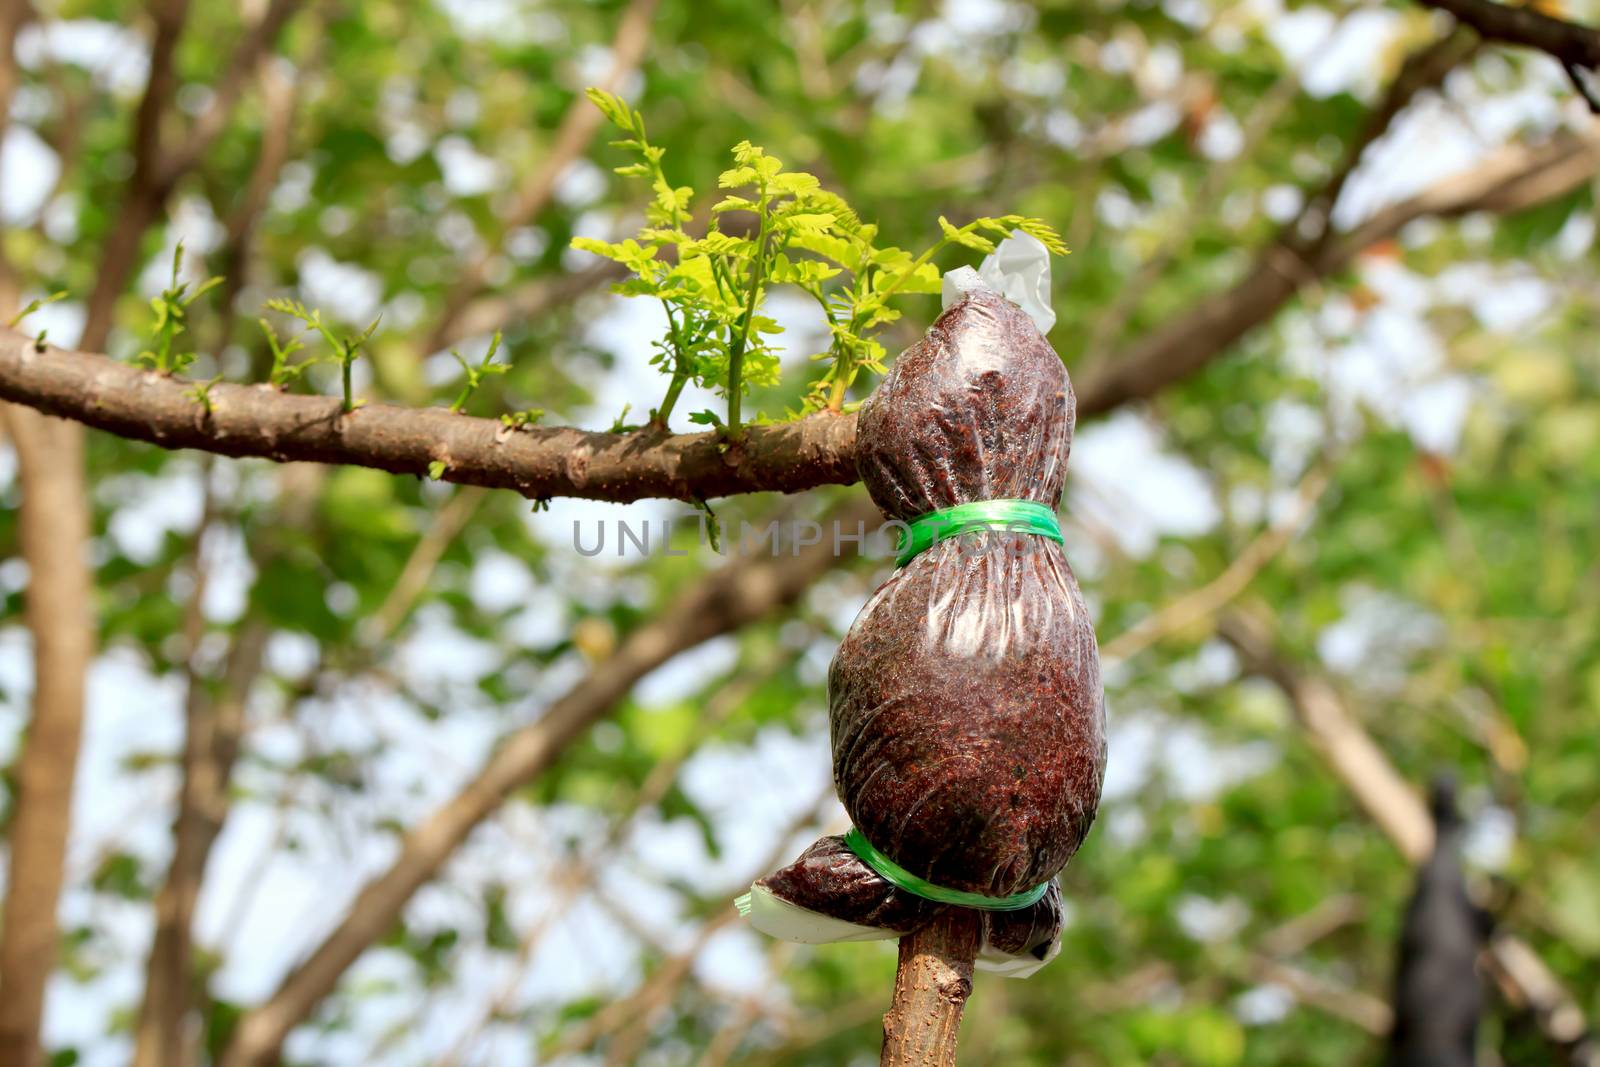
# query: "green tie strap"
[[900, 878], [1011, 516]]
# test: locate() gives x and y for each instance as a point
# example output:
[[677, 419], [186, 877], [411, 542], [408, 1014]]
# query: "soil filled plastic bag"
[[966, 713]]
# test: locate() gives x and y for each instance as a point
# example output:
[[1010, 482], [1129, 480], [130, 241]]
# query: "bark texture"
[[931, 987], [247, 420], [53, 528]]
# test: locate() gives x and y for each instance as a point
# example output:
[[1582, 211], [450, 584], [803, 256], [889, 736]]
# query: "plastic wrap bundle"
[[966, 713]]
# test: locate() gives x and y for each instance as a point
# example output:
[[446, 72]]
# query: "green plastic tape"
[[901, 878], [1009, 516]]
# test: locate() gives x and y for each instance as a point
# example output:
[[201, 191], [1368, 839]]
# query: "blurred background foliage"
[[1234, 905]]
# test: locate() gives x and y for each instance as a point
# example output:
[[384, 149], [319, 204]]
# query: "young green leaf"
[[803, 236]]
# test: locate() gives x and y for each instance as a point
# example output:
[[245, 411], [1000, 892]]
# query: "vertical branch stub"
[[931, 986]]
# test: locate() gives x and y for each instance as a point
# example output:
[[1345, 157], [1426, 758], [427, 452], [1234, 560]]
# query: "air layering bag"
[[966, 713]]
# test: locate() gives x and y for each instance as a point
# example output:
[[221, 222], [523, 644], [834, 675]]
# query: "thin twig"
[[1201, 603], [443, 529], [631, 1018], [1108, 324], [1397, 809], [578, 127], [226, 94], [729, 598], [578, 875], [731, 1033]]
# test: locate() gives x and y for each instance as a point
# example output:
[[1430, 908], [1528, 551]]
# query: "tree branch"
[[214, 721], [1575, 47], [627, 1022], [157, 1033], [55, 532], [548, 462], [578, 127], [1191, 607], [1512, 179], [580, 874], [1361, 1009], [156, 172], [1108, 325], [1422, 70], [1566, 41], [750, 1010], [537, 462], [931, 986], [146, 190], [212, 729], [53, 527], [445, 526], [1388, 799], [734, 596], [214, 724], [256, 44]]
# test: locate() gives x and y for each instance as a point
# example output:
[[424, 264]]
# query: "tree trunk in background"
[[53, 527], [931, 988]]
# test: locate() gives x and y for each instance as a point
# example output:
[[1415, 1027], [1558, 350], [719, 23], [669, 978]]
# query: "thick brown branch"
[[788, 458], [1526, 25], [1512, 179], [1312, 228], [1575, 47], [931, 987], [214, 721], [732, 597], [537, 462], [53, 529], [256, 421]]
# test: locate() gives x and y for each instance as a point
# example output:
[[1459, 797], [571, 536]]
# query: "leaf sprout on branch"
[[172, 309], [345, 349], [34, 305], [487, 368], [283, 373], [200, 393], [804, 236], [521, 420]]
